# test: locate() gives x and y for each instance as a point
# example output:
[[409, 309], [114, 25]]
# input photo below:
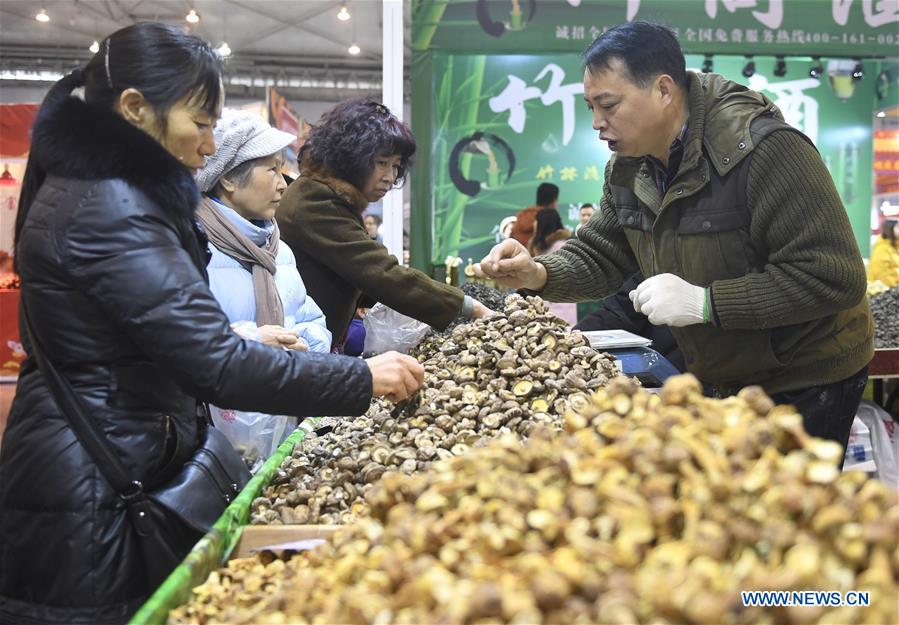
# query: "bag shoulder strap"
[[86, 429]]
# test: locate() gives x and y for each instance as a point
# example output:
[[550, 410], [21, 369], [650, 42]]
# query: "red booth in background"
[[15, 139], [15, 128], [11, 352]]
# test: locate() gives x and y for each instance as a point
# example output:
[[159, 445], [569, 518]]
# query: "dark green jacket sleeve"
[[328, 229], [594, 264], [814, 265]]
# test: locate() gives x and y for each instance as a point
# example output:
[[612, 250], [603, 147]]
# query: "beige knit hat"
[[240, 137]]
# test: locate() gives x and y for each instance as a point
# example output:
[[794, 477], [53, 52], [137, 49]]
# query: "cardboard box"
[[256, 538]]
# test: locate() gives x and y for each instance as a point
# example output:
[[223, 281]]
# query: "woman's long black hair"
[[548, 220], [888, 231], [164, 63]]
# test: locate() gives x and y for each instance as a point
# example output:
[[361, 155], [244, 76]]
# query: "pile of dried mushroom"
[[886, 321], [495, 376], [494, 299], [650, 509]]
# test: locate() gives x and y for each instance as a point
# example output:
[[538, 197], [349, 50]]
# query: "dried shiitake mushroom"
[[663, 514], [504, 374]]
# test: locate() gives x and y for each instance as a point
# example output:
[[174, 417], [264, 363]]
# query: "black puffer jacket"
[[114, 280]]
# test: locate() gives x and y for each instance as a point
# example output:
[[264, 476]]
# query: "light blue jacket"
[[232, 286]]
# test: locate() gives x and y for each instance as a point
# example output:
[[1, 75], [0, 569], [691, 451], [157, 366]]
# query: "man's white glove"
[[669, 300]]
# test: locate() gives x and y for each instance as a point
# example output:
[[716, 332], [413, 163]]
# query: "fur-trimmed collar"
[[559, 235], [76, 140], [346, 190], [552, 238]]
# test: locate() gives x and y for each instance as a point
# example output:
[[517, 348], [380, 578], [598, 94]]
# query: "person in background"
[[252, 272], [550, 235], [355, 155], [372, 224], [584, 215], [884, 263], [732, 217], [354, 344], [547, 197], [113, 272], [617, 313], [505, 228]]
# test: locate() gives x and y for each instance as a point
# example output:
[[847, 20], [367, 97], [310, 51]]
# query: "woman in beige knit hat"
[[252, 272]]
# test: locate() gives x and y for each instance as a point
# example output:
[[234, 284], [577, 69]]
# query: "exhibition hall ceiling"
[[267, 38]]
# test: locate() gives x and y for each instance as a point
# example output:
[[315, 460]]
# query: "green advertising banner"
[[497, 126], [792, 27]]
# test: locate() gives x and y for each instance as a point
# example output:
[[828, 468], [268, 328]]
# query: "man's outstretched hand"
[[511, 266]]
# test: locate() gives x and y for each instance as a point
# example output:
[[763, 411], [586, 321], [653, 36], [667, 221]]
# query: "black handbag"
[[168, 520]]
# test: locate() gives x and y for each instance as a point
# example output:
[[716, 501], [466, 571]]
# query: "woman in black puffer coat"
[[113, 277]]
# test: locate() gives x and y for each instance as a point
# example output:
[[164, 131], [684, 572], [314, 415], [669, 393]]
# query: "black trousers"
[[828, 410]]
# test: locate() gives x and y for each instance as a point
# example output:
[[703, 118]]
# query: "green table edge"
[[216, 546]]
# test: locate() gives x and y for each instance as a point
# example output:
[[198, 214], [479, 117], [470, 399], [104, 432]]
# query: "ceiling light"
[[749, 68], [839, 75], [707, 64], [817, 70], [858, 72], [192, 17], [881, 113], [354, 49], [780, 67], [42, 16], [343, 15], [95, 47], [224, 49]]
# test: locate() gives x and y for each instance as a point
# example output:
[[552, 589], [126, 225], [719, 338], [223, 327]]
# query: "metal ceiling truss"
[[311, 79], [247, 74]]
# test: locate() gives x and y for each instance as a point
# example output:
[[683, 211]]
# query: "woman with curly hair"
[[356, 154]]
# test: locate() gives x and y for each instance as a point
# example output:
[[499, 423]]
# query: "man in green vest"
[[734, 220]]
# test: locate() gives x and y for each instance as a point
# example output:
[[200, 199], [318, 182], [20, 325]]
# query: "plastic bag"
[[859, 453], [255, 435], [387, 330], [247, 330], [884, 441]]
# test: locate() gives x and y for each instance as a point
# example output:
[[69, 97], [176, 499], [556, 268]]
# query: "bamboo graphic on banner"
[[428, 13], [449, 206]]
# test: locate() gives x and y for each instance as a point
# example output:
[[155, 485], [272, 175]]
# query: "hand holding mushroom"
[[394, 376], [511, 266]]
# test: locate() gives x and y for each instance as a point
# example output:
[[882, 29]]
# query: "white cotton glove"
[[669, 300]]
